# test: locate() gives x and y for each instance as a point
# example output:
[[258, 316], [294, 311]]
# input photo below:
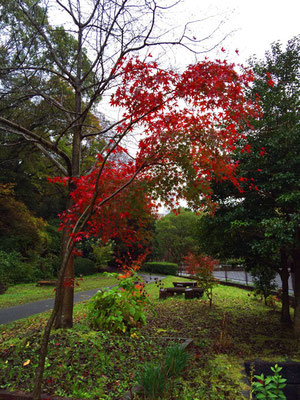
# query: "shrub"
[[84, 266], [263, 281], [160, 267], [14, 270], [47, 266], [121, 308]]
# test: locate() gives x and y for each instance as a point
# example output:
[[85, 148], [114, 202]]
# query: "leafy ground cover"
[[88, 364], [27, 292]]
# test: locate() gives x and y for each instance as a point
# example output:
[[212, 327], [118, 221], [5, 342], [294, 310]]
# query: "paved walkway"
[[11, 314], [240, 277]]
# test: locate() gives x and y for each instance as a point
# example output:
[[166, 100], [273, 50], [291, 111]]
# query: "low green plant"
[[155, 378], [176, 359], [263, 281], [153, 381], [269, 387], [120, 309]]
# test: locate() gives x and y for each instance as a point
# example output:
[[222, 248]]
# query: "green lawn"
[[87, 364], [27, 292]]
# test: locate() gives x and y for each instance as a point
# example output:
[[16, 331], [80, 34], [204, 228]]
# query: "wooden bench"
[[185, 284], [46, 283], [3, 288], [189, 293]]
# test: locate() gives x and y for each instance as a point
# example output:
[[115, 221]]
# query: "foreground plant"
[[155, 379], [120, 309], [269, 387]]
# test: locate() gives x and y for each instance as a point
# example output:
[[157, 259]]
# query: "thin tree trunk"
[[296, 257], [64, 315], [45, 338], [297, 302], [284, 275], [64, 318]]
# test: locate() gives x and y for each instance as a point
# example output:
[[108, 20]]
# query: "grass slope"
[[27, 292], [85, 364]]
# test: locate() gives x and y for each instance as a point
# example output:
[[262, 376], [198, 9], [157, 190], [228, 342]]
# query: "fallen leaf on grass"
[[159, 330], [26, 363]]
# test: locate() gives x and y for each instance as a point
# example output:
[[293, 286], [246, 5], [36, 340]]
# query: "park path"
[[12, 314], [239, 277]]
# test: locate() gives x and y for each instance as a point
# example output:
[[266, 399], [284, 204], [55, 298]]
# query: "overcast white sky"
[[250, 26], [257, 23], [254, 25]]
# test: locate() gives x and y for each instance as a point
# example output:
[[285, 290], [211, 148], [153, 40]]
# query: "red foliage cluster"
[[190, 124], [199, 264]]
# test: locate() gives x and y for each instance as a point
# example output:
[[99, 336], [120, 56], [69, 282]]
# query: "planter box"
[[6, 395]]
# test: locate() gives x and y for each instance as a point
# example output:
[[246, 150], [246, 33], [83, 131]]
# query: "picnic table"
[[185, 284], [189, 292]]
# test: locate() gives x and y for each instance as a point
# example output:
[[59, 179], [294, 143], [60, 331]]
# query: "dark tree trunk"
[[296, 257], [284, 274], [45, 338], [64, 315]]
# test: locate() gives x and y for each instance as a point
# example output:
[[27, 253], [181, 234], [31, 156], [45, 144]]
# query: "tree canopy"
[[262, 220], [54, 79]]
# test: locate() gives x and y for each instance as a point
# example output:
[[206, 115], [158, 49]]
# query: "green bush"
[[120, 309], [84, 266], [14, 270], [160, 267], [264, 281], [47, 266]]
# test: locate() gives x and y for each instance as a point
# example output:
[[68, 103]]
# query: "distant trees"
[[28, 243], [175, 236]]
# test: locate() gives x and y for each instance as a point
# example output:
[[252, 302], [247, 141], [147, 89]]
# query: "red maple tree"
[[190, 124]]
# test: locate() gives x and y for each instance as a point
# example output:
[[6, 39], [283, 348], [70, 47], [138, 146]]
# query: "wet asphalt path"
[[11, 314]]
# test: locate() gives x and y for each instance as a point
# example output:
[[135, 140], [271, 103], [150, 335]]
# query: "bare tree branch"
[[10, 126]]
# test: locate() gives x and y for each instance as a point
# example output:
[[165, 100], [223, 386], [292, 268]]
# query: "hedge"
[[160, 267], [84, 266]]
